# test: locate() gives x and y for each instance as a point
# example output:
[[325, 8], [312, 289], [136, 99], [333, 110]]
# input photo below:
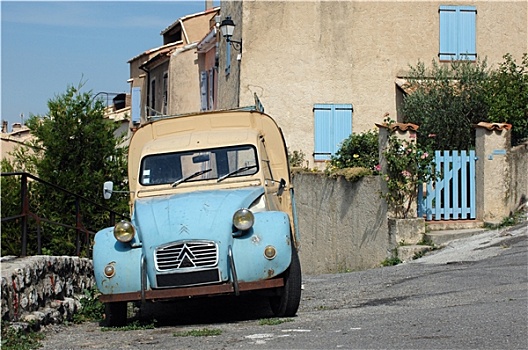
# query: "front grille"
[[185, 255], [188, 278]]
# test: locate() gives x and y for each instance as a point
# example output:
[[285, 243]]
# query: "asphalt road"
[[472, 294]]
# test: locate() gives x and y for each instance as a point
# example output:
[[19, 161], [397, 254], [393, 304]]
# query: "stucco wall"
[[184, 86], [296, 54], [342, 224], [197, 27], [518, 188], [157, 73], [228, 84]]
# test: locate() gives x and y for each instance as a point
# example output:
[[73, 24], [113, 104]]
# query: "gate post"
[[403, 131], [492, 145]]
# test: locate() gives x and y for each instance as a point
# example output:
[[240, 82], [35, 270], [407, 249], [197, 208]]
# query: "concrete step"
[[411, 252], [440, 225], [442, 237]]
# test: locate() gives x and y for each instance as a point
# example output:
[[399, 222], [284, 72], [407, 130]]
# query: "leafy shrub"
[[20, 339], [74, 147], [91, 308], [446, 100], [296, 158], [409, 165], [358, 151], [507, 97]]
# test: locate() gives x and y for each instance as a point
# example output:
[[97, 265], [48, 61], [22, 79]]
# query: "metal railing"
[[26, 214]]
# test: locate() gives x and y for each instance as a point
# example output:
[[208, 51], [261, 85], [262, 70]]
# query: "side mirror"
[[282, 186], [108, 188]]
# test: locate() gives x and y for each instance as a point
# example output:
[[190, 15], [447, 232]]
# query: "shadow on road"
[[224, 309]]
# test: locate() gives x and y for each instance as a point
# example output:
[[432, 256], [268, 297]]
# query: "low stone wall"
[[343, 225], [39, 290]]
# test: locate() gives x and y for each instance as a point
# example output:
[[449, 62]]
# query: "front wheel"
[[287, 302], [116, 314]]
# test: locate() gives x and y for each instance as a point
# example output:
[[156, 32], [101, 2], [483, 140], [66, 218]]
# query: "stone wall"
[[342, 224], [502, 180], [40, 290]]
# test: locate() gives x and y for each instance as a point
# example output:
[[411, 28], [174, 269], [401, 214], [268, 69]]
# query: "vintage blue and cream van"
[[212, 213]]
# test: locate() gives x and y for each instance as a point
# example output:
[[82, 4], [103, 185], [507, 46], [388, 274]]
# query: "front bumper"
[[209, 290]]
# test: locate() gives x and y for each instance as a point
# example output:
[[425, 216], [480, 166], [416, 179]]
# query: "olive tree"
[[448, 98], [445, 101]]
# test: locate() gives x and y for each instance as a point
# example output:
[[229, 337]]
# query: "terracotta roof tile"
[[493, 126], [400, 126]]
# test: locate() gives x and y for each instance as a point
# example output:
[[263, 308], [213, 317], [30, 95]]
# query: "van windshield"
[[208, 164]]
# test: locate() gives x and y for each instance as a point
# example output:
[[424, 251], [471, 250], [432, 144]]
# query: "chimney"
[[208, 4], [16, 127], [4, 126]]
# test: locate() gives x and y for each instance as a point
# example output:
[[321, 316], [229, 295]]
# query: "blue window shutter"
[[457, 33], [448, 33], [136, 105], [342, 125], [333, 124], [467, 29], [323, 131]]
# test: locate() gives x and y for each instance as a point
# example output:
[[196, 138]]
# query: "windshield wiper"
[[198, 173], [239, 170]]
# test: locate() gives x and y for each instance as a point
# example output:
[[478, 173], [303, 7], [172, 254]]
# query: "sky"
[[47, 46]]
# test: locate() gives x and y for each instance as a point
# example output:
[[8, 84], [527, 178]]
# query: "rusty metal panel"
[[192, 291]]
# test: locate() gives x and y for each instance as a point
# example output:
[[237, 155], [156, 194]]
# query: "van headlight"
[[124, 231], [243, 219]]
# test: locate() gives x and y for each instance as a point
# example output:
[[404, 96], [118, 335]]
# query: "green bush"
[[74, 148], [296, 158], [358, 151], [448, 99], [507, 97], [408, 166], [91, 308]]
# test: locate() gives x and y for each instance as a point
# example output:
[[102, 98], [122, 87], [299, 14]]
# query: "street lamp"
[[227, 27]]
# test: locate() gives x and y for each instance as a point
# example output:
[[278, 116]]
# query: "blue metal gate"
[[452, 197]]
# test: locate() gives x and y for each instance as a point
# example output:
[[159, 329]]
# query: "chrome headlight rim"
[[243, 219], [124, 231], [109, 270]]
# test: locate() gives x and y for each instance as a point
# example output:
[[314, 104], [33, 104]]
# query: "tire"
[[116, 314], [287, 302]]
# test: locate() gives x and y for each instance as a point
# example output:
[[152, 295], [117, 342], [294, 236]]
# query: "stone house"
[[166, 80], [322, 69], [325, 69], [18, 136]]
